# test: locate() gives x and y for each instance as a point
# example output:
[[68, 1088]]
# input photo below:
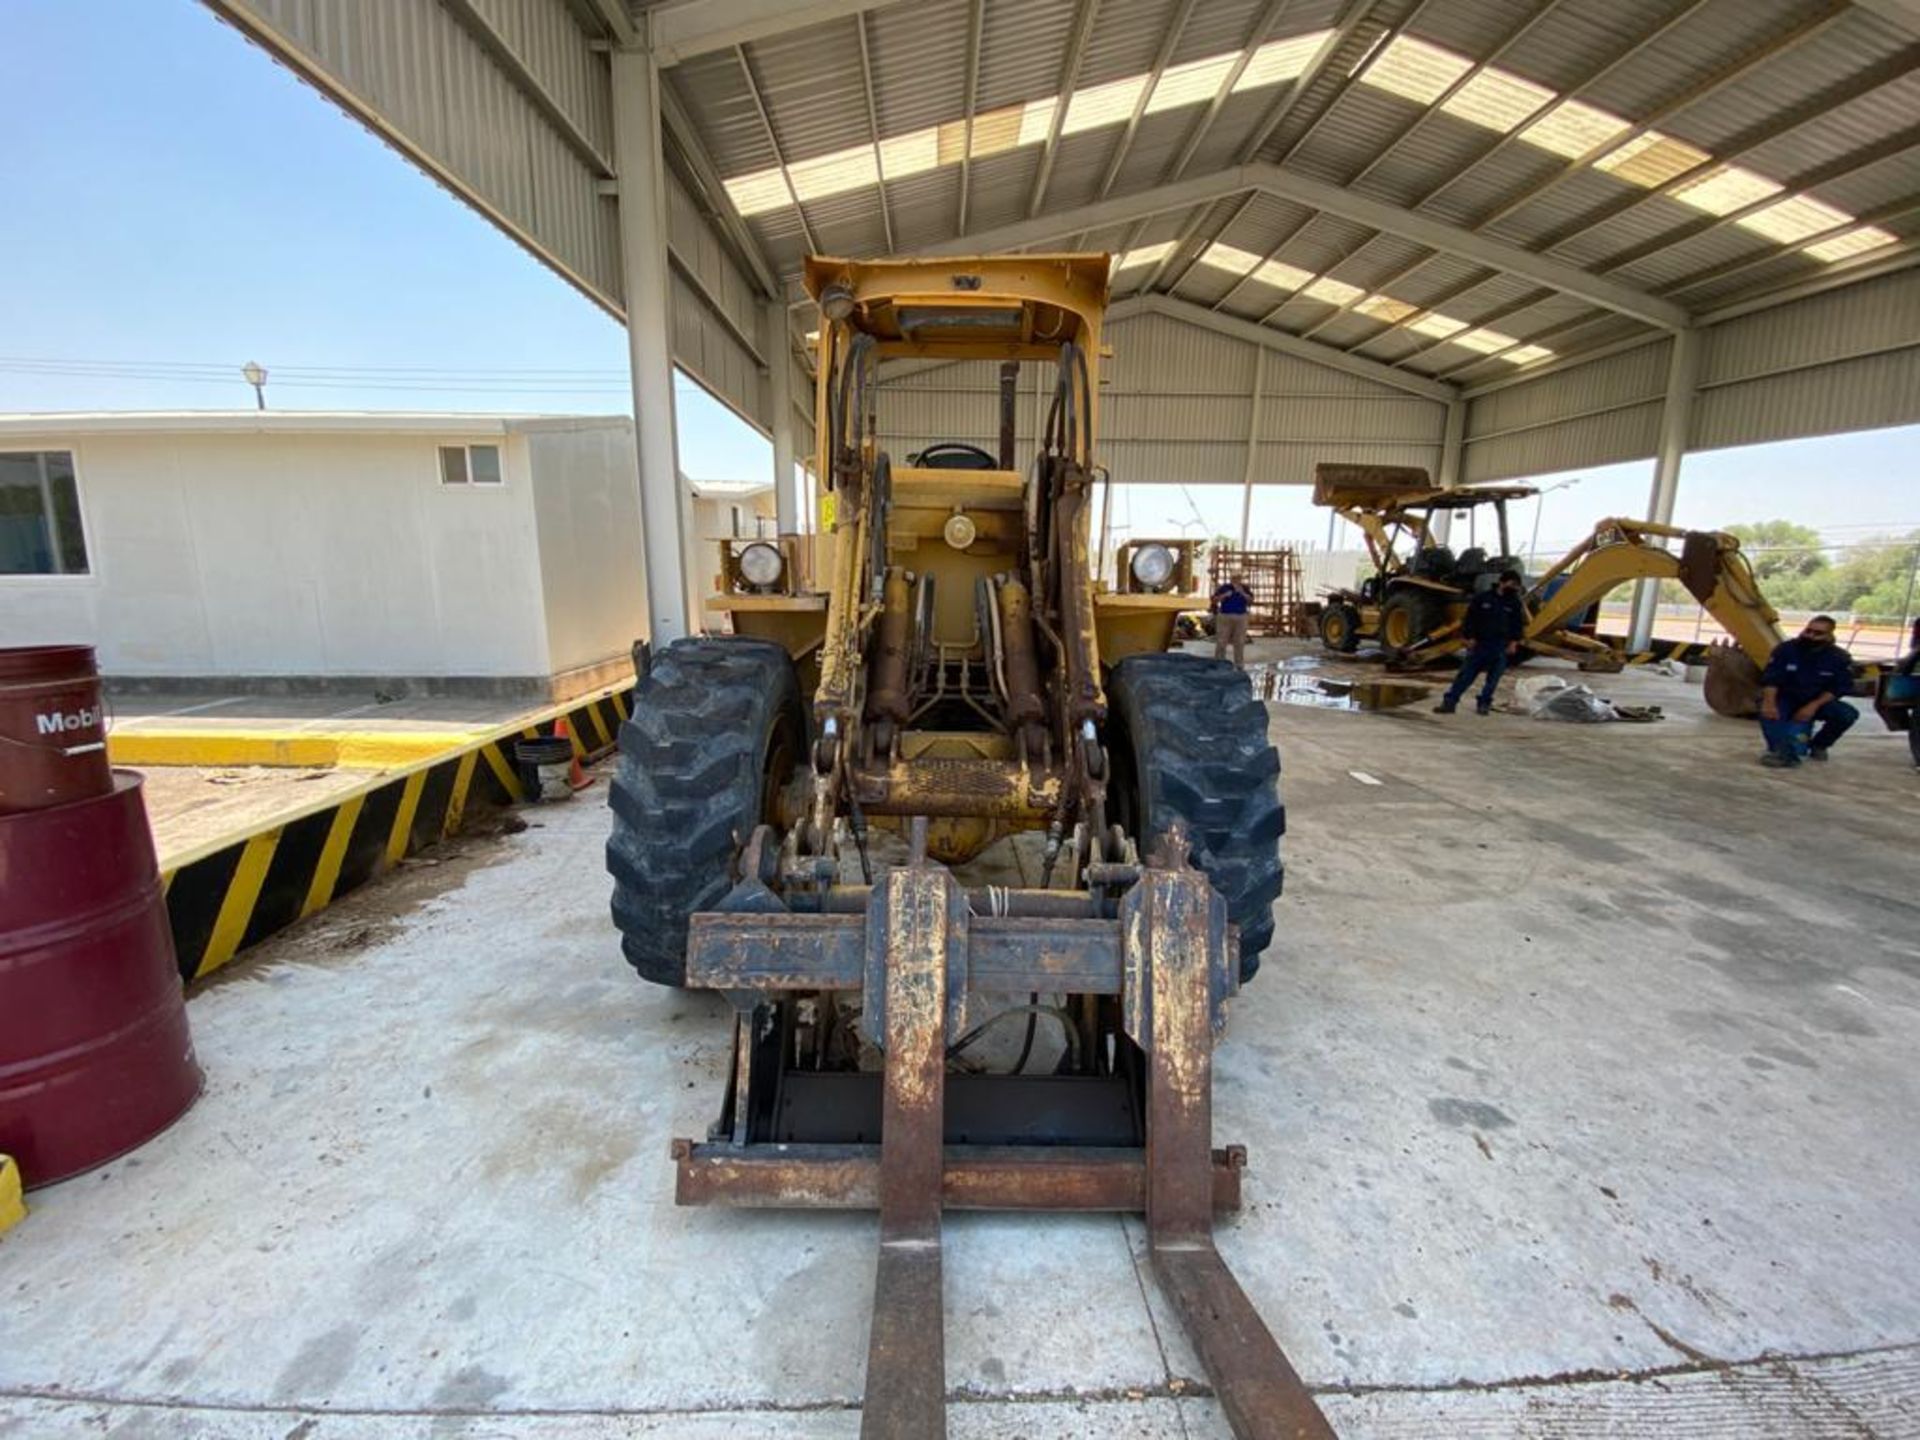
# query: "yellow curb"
[[303, 749], [13, 1209]]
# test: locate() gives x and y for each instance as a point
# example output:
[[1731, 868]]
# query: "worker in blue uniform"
[[1232, 601], [1494, 622], [1802, 684]]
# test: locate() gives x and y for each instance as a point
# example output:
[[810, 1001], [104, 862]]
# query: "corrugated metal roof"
[[1811, 95]]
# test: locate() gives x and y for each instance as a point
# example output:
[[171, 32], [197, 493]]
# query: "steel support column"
[[1253, 443], [1676, 416], [778, 346], [1452, 453], [643, 259]]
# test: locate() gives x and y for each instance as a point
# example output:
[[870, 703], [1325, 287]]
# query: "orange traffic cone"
[[576, 777]]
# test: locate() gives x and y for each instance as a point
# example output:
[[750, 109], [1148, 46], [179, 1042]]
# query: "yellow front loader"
[[954, 676]]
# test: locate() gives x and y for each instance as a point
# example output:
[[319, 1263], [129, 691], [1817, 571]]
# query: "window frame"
[[467, 480], [88, 576]]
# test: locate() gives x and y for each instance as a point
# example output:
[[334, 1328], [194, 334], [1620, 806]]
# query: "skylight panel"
[[1497, 100], [1484, 342], [1334, 292], [1727, 189], [1572, 128], [759, 192], [834, 174], [1144, 255], [1279, 60], [1794, 218], [1385, 307], [1281, 276], [1526, 354], [1191, 83], [1854, 242], [997, 131], [1651, 159], [910, 154], [1229, 258], [1415, 69], [1107, 104], [1436, 326]]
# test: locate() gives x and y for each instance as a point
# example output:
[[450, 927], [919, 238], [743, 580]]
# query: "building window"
[[470, 465], [40, 531]]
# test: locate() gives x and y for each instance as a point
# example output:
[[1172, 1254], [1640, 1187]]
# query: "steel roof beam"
[[1287, 344], [773, 143], [501, 51], [1185, 252], [873, 130], [712, 193], [1833, 170], [700, 27], [612, 17], [1168, 41], [1083, 17], [1512, 137], [1453, 239], [1269, 20], [1407, 131], [1334, 200], [976, 19], [1816, 22]]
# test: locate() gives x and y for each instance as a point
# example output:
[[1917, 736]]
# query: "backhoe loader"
[[1413, 603], [797, 806]]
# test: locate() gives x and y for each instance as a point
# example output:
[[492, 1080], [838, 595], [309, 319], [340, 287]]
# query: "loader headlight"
[[1153, 566], [760, 565]]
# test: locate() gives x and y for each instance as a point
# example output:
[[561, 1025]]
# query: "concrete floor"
[[1581, 1100], [193, 805]]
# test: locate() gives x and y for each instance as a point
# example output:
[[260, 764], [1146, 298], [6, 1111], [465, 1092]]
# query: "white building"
[[450, 553]]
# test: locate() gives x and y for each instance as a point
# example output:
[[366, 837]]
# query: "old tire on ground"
[[1340, 627], [1190, 744], [1408, 617], [716, 727]]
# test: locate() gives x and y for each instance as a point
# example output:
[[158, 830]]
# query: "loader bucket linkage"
[[1169, 959]]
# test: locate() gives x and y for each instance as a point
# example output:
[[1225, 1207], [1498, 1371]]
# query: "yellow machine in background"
[[1413, 603]]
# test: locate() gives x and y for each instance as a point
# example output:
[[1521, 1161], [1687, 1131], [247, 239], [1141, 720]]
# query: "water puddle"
[[1293, 686]]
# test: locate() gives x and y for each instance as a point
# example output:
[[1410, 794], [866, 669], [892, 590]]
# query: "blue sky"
[[174, 197]]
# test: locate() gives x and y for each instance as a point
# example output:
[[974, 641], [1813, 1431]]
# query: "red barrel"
[[95, 1057], [53, 728]]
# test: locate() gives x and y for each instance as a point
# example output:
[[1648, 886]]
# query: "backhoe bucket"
[[1732, 686]]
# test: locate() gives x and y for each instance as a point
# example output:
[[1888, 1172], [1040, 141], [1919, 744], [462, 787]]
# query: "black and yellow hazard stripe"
[[222, 901]]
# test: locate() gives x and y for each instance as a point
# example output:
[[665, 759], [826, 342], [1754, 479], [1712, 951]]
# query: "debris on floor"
[[1548, 697]]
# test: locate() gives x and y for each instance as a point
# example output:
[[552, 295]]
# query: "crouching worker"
[[1494, 623], [1802, 684]]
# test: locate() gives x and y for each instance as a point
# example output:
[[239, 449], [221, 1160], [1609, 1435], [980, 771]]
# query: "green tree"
[[1780, 549], [1871, 580]]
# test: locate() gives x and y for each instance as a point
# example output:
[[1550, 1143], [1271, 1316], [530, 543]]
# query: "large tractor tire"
[[716, 729], [1191, 745], [1408, 617], [1340, 627]]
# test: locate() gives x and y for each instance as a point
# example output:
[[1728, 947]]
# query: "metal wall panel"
[[1593, 414], [1845, 360], [1177, 409], [1843, 395], [416, 74]]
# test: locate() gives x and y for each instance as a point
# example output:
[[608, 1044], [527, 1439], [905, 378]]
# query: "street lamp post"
[[256, 376], [1539, 504]]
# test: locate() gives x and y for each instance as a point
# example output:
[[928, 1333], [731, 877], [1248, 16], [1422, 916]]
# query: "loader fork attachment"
[[1169, 957]]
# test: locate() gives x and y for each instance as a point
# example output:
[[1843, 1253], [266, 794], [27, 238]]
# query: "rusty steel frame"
[[1170, 957]]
